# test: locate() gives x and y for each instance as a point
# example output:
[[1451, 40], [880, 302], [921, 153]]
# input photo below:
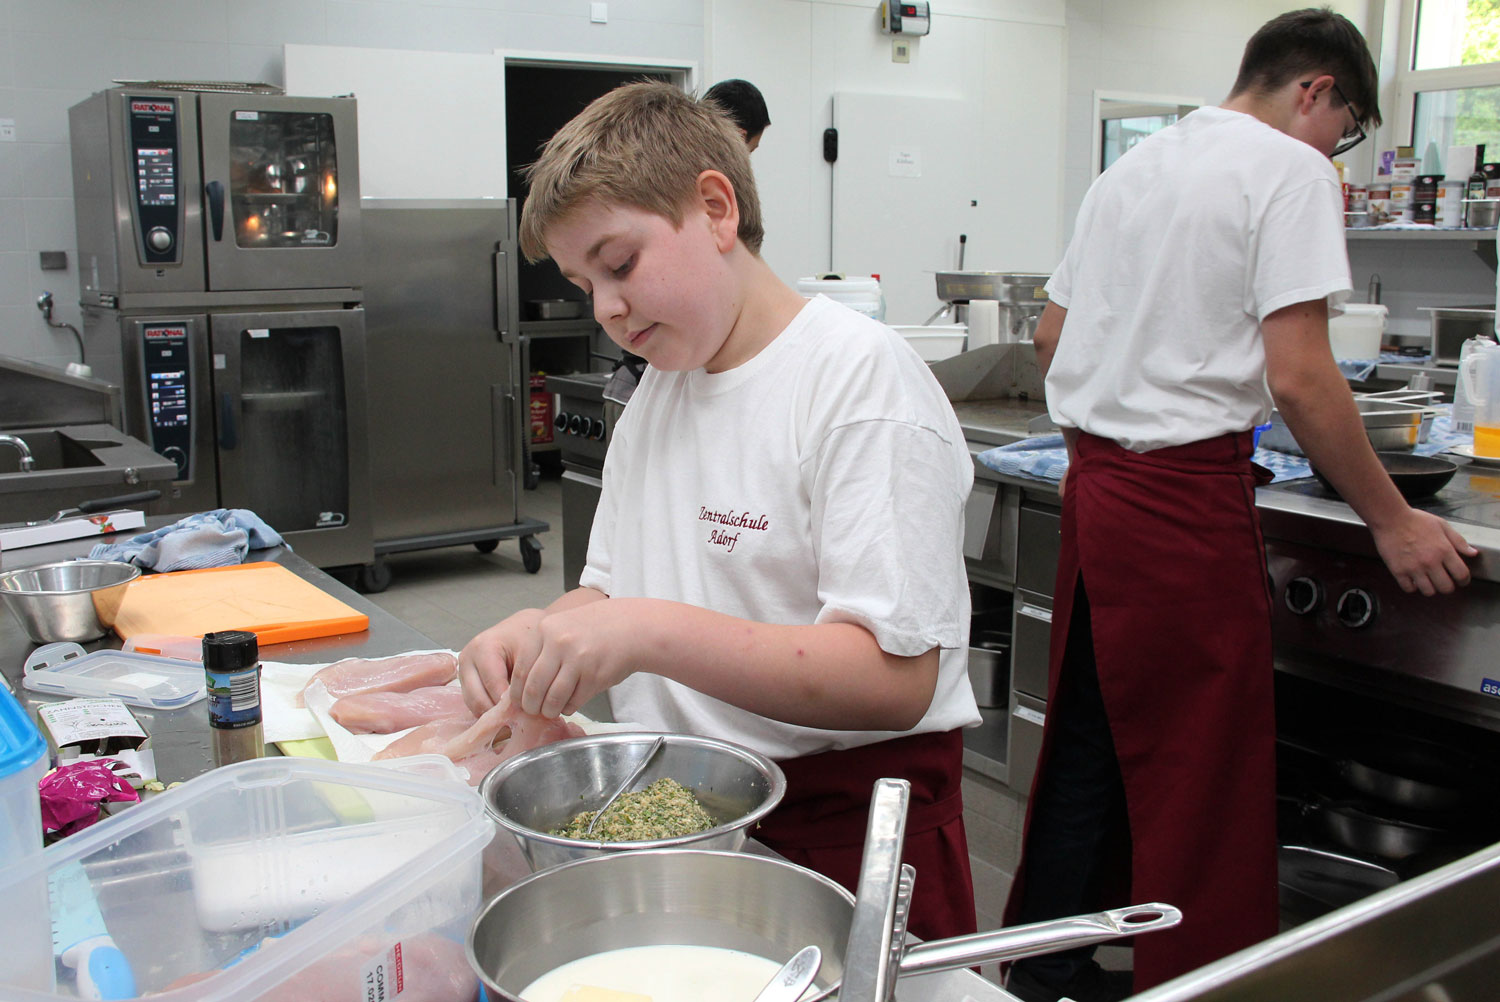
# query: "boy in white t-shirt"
[[777, 554], [1197, 288]]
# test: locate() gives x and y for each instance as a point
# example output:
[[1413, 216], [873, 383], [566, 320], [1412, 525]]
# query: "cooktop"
[[1472, 497]]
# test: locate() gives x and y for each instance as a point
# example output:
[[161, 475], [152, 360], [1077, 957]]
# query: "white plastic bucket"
[[1357, 333], [858, 292]]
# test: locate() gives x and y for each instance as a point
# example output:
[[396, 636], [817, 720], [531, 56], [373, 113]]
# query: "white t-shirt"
[[1180, 250], [822, 481]]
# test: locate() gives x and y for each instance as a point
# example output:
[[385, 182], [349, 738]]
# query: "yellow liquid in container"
[[1486, 440]]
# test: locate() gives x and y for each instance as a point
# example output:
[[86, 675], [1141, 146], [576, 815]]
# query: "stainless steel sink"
[[76, 463]]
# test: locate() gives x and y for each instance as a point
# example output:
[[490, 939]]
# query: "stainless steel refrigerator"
[[442, 325], [219, 270]]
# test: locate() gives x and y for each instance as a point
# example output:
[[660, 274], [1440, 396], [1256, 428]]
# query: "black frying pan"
[[1404, 770], [1414, 476]]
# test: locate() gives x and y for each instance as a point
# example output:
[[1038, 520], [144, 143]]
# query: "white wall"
[[54, 53], [799, 52]]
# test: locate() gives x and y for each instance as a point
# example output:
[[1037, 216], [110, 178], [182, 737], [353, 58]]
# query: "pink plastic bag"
[[71, 795]]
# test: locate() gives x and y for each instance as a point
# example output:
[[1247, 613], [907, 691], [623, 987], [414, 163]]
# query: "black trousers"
[[1078, 831]]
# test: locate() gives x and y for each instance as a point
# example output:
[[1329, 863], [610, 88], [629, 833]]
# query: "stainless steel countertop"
[[181, 740], [180, 737]]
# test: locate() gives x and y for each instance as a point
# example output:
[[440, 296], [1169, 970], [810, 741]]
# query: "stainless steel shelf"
[[1472, 236]]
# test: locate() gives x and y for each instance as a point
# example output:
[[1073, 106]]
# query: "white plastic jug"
[[1480, 375], [1463, 406]]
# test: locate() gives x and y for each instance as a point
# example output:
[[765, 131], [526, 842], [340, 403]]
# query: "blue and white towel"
[[1044, 458], [218, 538]]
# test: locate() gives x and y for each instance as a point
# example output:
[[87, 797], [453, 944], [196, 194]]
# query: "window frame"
[[1410, 82]]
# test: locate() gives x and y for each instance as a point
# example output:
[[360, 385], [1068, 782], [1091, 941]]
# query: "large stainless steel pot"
[[737, 901]]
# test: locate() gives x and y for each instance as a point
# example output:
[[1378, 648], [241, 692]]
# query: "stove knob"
[[577, 424], [160, 238], [596, 429], [561, 421], [1304, 596], [1356, 608]]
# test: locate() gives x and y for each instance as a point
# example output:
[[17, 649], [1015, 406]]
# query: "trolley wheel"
[[531, 554], [486, 545], [533, 476], [373, 578]]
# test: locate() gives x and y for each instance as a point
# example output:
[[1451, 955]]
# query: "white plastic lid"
[[862, 285], [138, 679], [1366, 309]]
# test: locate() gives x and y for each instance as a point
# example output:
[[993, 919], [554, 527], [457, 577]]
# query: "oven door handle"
[[583, 478], [214, 192]]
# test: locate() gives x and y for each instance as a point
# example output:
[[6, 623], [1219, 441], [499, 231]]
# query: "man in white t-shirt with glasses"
[[1196, 291]]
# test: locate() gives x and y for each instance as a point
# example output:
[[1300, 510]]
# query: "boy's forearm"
[[831, 675], [574, 599]]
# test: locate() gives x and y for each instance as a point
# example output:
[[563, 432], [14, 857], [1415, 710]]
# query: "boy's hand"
[[486, 662], [579, 654], [1424, 553]]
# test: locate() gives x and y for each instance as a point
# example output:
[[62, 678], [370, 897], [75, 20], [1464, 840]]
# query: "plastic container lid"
[[21, 744], [138, 679]]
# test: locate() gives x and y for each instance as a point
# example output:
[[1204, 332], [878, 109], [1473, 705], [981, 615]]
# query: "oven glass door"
[[281, 192], [281, 389]]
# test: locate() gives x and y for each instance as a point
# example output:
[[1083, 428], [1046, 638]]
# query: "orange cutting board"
[[265, 598]]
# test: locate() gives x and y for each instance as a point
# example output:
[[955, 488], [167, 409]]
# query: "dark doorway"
[[539, 100]]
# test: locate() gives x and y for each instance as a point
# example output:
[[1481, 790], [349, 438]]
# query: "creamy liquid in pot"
[[662, 973]]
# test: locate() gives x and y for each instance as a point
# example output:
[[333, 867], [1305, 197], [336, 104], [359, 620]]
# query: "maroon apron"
[[821, 822], [1168, 547]]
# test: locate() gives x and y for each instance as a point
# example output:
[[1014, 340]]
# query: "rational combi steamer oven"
[[219, 270]]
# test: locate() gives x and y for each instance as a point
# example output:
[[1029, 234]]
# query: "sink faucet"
[[27, 463]]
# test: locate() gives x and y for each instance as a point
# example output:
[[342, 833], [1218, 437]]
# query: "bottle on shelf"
[[1476, 185]]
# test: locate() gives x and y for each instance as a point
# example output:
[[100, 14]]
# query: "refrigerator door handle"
[[214, 191], [229, 436]]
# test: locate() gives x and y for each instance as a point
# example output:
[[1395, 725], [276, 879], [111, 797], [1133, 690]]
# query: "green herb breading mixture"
[[665, 809]]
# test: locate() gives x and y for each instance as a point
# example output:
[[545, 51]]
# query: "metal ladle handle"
[[1038, 937], [867, 971]]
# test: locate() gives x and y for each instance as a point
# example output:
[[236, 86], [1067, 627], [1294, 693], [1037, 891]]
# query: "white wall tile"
[[82, 60], [46, 170], [180, 20], [279, 22], [49, 223], [10, 166], [13, 285], [375, 25], [23, 334], [257, 64], [42, 114], [12, 225]]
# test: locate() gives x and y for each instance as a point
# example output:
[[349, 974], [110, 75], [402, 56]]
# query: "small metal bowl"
[[70, 600], [542, 789], [736, 901]]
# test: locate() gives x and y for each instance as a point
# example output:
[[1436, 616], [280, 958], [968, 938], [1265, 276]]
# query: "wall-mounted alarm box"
[[901, 18]]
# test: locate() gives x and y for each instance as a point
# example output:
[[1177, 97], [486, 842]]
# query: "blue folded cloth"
[[218, 538], [1044, 457]]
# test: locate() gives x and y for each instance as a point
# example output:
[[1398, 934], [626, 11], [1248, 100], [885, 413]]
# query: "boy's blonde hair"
[[642, 145]]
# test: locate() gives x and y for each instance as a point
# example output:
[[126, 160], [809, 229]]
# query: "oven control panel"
[[581, 429], [154, 162], [1348, 608], [167, 364]]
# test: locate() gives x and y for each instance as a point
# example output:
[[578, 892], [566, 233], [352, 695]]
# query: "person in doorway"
[[1196, 291], [777, 558], [742, 102]]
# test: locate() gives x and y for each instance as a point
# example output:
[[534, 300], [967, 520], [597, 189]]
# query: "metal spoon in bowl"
[[794, 977], [635, 774]]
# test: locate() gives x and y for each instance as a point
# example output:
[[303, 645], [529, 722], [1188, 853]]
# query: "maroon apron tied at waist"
[[821, 822], [1167, 547]]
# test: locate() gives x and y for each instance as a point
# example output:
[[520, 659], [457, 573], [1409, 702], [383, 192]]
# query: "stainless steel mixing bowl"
[[733, 900], [69, 600], [542, 789]]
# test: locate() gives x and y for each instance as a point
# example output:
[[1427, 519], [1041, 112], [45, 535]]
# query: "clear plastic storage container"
[[25, 940], [286, 879]]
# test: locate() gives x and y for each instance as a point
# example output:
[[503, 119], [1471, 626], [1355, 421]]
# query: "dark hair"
[[1317, 41], [741, 101]]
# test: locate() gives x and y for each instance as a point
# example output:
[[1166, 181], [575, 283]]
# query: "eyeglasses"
[[1355, 134]]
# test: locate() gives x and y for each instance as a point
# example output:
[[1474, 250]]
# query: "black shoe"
[[1092, 983]]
